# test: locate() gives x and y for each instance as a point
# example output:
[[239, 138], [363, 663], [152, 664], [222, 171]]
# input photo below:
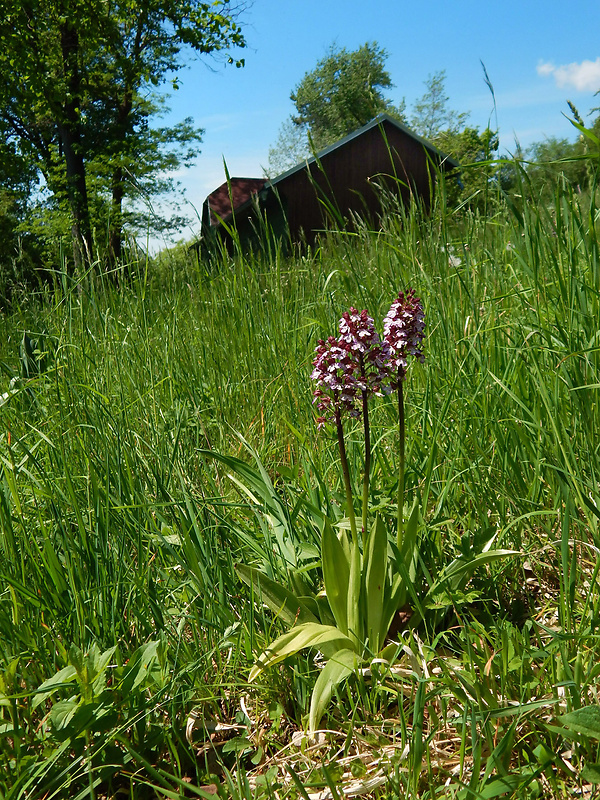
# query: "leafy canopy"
[[431, 113], [343, 92], [75, 92]]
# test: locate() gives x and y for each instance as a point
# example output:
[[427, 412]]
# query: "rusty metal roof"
[[236, 192]]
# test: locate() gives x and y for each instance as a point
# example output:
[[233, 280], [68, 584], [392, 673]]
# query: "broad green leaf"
[[591, 773], [375, 579], [78, 660], [308, 635], [461, 569], [64, 677], [353, 613], [299, 585], [100, 660], [584, 720], [310, 602], [62, 713], [140, 664], [409, 543], [390, 652], [341, 665], [324, 608], [93, 717], [239, 744], [336, 576], [279, 599], [90, 666], [487, 546]]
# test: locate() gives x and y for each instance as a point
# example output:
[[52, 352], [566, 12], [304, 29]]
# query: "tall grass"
[[117, 529]]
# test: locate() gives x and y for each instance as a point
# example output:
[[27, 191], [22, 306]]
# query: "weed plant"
[[126, 638]]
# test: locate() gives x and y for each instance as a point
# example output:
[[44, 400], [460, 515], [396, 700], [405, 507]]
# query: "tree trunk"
[[69, 129], [118, 183], [115, 243], [78, 198]]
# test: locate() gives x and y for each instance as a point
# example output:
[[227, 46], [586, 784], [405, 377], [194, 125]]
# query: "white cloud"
[[545, 68], [584, 77]]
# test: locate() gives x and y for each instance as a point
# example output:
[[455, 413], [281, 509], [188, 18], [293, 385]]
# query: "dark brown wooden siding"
[[348, 177]]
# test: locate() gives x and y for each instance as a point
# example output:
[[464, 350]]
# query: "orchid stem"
[[401, 435], [346, 473], [366, 477]]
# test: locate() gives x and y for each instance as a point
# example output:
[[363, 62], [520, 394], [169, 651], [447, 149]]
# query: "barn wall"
[[347, 177]]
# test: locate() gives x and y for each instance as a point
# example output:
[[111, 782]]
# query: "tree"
[[292, 147], [431, 114], [479, 173], [75, 75], [474, 149], [342, 93], [577, 162], [551, 158], [17, 182]]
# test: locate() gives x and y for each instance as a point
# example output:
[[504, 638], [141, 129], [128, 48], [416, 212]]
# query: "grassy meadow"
[[154, 435]]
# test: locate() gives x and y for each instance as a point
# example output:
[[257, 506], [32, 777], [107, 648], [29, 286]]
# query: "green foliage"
[[363, 592], [117, 531], [552, 160], [431, 115], [480, 175], [75, 104], [343, 92], [20, 250]]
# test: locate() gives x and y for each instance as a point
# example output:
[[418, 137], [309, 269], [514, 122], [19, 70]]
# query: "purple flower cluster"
[[334, 372], [359, 363], [404, 329], [358, 335]]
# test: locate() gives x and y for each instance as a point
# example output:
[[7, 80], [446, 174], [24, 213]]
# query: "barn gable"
[[343, 180]]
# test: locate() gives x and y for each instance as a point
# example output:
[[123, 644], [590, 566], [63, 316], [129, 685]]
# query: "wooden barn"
[[340, 182]]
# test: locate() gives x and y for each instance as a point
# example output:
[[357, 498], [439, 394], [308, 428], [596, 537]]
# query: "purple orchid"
[[404, 330]]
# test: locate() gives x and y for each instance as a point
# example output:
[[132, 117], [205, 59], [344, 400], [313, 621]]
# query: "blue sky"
[[537, 55]]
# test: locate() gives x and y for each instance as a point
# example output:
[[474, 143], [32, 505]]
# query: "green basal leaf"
[[325, 614], [66, 676], [279, 599], [584, 720], [311, 604], [408, 551], [336, 576], [339, 667], [375, 581], [354, 615], [308, 635]]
